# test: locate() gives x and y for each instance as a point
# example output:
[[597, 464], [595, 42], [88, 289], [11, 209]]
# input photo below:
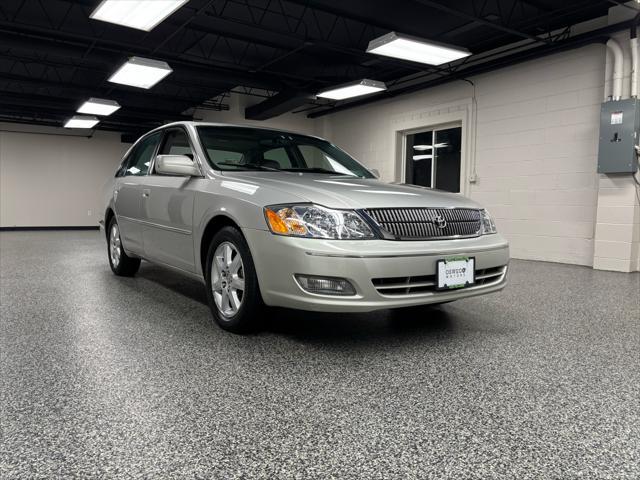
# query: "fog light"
[[326, 285]]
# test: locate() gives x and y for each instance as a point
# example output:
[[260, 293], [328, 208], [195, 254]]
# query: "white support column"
[[617, 236]]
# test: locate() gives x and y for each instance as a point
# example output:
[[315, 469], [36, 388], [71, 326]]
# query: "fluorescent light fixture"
[[415, 49], [422, 148], [81, 121], [141, 72], [422, 157], [140, 14], [99, 106], [353, 89]]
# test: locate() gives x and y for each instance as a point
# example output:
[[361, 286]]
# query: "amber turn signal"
[[276, 224]]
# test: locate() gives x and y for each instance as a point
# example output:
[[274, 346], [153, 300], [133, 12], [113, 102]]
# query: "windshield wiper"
[[317, 170]]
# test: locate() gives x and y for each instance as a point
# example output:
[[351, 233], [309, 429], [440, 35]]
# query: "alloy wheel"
[[227, 279], [115, 246]]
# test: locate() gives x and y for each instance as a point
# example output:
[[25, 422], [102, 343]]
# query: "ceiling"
[[53, 56]]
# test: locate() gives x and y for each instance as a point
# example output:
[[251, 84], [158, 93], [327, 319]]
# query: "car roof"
[[233, 125]]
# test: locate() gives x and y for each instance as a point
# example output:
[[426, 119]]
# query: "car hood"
[[339, 191]]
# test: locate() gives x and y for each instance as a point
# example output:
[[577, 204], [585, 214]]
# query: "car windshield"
[[243, 149]]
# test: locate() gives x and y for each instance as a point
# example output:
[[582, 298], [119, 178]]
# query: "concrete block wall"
[[535, 158], [617, 239], [617, 234]]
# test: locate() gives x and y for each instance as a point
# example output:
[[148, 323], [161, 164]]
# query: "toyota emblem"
[[439, 221]]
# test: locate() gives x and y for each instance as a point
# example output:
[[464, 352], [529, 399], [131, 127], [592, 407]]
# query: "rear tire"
[[121, 264], [232, 284]]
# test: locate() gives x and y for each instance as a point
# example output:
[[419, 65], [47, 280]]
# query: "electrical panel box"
[[619, 126]]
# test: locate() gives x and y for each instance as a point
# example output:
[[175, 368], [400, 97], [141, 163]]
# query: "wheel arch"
[[108, 215], [214, 225]]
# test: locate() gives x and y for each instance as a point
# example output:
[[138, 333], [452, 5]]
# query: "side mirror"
[[177, 165], [375, 172]]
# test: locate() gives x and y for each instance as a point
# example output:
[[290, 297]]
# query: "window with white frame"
[[433, 158]]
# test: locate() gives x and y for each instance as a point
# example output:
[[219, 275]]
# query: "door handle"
[[145, 193]]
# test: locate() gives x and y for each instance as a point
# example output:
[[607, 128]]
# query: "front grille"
[[422, 223], [391, 286]]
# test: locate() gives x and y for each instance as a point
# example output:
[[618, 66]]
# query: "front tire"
[[121, 264], [232, 285]]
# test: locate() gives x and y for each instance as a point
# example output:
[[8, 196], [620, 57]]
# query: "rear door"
[[128, 192], [167, 208]]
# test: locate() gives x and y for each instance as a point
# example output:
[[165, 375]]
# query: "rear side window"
[[141, 156], [176, 142]]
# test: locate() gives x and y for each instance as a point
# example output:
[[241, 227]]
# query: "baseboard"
[[15, 229]]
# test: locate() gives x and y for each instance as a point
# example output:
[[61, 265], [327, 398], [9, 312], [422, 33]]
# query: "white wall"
[[235, 115], [54, 179], [537, 143]]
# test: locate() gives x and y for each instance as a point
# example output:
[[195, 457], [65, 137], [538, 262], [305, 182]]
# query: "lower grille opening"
[[427, 283]]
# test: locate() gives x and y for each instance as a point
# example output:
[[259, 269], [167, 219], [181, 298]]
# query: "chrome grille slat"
[[427, 283], [418, 223]]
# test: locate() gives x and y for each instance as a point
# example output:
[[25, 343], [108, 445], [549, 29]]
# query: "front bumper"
[[277, 259]]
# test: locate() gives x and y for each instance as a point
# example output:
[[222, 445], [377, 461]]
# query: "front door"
[[128, 193], [167, 209]]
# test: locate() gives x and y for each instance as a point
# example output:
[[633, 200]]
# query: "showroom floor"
[[114, 377]]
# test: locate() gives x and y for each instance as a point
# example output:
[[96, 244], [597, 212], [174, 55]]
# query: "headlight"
[[314, 221], [488, 225]]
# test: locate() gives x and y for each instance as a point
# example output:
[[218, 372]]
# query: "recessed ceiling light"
[[81, 121], [141, 72], [415, 49], [99, 106], [354, 89], [140, 14]]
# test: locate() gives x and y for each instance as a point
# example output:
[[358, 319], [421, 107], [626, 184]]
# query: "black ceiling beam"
[[198, 65], [481, 21], [179, 102], [67, 57], [74, 101], [62, 116], [600, 35], [230, 30], [536, 4], [622, 4], [208, 23], [280, 103], [69, 109], [376, 22]]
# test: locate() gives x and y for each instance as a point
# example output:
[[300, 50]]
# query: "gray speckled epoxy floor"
[[126, 378]]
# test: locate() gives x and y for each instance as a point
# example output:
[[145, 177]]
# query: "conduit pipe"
[[633, 44], [618, 65]]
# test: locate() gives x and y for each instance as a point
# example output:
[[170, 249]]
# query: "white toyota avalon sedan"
[[277, 218]]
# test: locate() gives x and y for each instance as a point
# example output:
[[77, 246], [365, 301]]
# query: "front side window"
[[244, 149], [176, 142], [140, 157]]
